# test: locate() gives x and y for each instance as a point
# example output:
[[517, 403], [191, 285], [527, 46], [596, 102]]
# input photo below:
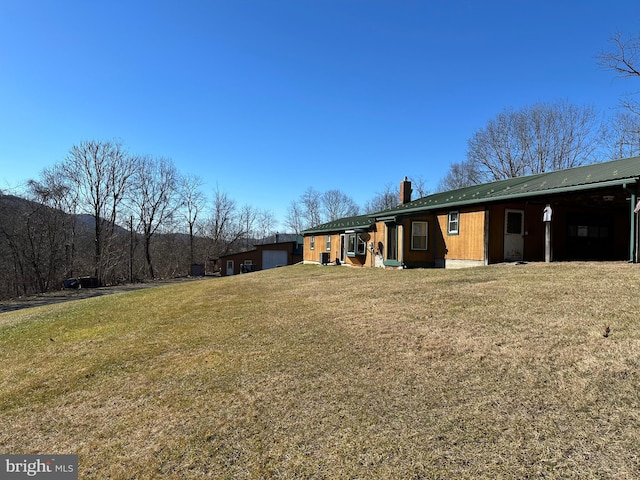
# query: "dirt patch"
[[66, 295]]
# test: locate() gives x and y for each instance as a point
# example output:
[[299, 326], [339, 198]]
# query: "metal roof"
[[348, 223], [598, 175], [587, 177]]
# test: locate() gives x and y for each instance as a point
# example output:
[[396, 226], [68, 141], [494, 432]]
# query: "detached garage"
[[274, 258], [264, 256]]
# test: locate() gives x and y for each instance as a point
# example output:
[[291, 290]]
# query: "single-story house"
[[264, 256], [582, 213]]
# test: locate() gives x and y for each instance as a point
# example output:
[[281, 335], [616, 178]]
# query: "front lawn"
[[333, 372]]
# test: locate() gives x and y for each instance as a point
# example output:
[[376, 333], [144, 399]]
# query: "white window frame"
[[312, 242], [425, 235], [451, 230], [328, 243]]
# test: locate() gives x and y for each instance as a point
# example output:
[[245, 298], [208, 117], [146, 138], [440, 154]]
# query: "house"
[[583, 213], [264, 256]]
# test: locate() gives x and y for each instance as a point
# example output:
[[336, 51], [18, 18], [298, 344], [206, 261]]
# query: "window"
[[419, 235], [247, 266], [328, 243], [312, 242], [351, 245], [453, 223], [361, 247], [356, 246], [514, 222]]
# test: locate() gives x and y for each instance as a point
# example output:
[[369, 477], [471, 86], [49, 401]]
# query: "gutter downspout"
[[633, 236]]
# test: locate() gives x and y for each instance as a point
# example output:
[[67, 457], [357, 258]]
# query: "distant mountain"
[[24, 206], [17, 203]]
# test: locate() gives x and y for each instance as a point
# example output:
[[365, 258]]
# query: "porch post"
[[486, 237], [548, 252], [632, 229]]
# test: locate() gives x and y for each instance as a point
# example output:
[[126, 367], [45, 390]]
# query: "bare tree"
[[99, 174], [419, 187], [625, 61], [387, 198], [246, 224], [314, 208], [192, 202], [43, 245], [33, 241], [305, 212], [154, 200], [461, 174], [311, 207], [224, 225], [536, 139], [294, 221], [12, 258], [623, 138], [265, 224], [54, 191], [337, 204]]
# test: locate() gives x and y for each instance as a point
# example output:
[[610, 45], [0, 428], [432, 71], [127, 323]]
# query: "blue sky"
[[265, 98]]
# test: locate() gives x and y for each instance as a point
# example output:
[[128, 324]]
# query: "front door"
[[343, 250], [513, 235], [230, 267]]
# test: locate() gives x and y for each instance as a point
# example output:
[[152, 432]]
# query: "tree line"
[[117, 217]]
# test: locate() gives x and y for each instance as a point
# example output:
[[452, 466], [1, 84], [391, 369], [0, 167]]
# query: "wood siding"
[[469, 243], [595, 225], [419, 258], [533, 231], [320, 247]]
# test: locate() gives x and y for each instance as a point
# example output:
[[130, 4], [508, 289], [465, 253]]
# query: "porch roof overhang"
[[387, 218]]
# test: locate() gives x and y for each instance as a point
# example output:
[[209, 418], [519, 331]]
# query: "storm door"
[[392, 241], [513, 235]]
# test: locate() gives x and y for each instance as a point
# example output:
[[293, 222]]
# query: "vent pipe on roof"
[[405, 191]]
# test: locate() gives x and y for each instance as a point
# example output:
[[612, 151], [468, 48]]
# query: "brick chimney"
[[405, 191]]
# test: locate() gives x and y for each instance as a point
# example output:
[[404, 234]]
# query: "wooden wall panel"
[[469, 243]]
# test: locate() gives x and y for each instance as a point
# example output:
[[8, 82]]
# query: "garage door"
[[273, 258]]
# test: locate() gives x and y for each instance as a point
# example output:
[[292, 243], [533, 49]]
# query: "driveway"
[[67, 295]]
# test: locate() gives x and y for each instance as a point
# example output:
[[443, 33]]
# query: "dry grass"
[[326, 372]]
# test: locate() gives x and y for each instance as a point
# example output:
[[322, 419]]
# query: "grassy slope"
[[321, 372]]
